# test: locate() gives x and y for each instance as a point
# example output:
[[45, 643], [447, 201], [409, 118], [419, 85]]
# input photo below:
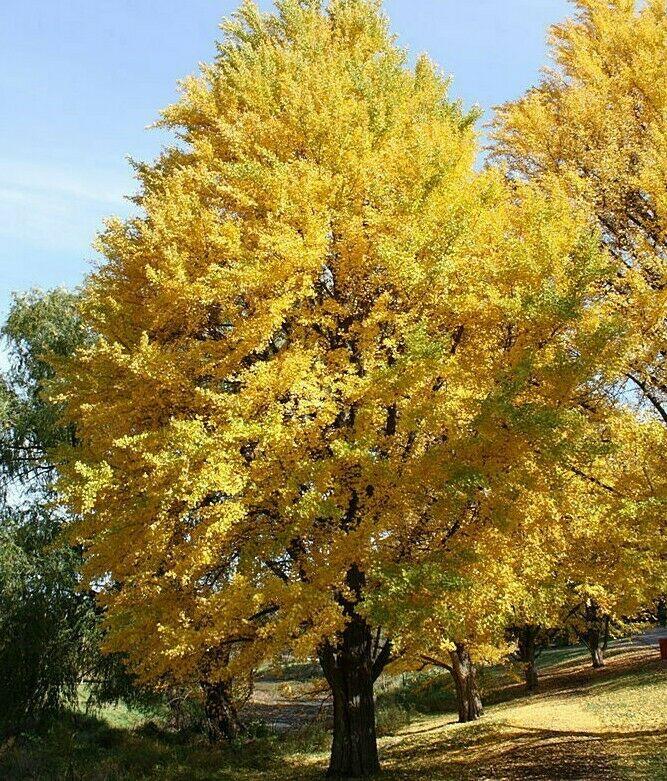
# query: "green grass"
[[84, 747], [609, 724]]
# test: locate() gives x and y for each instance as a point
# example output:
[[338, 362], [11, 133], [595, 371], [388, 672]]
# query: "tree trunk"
[[661, 611], [465, 680], [605, 640], [596, 655], [527, 637], [594, 634], [532, 678], [349, 669], [221, 716]]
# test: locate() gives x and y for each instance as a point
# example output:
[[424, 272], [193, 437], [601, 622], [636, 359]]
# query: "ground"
[[583, 724]]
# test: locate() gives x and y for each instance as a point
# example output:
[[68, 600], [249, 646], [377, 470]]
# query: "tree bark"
[[527, 637], [606, 635], [661, 611], [222, 719], [351, 666], [351, 671], [468, 696], [597, 656], [594, 634], [532, 678]]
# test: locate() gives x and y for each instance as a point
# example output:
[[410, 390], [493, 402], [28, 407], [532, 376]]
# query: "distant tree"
[[47, 626], [41, 329], [598, 123]]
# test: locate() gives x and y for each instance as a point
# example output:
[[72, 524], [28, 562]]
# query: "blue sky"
[[81, 79]]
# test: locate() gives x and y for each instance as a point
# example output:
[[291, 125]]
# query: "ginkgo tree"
[[324, 343], [578, 547], [598, 120], [616, 560], [453, 610], [447, 611]]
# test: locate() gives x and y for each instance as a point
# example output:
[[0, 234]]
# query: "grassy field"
[[607, 724]]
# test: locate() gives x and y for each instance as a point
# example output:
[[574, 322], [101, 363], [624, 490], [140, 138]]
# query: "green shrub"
[[427, 692], [390, 718]]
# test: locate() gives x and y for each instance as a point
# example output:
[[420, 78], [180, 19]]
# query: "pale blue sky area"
[[81, 79]]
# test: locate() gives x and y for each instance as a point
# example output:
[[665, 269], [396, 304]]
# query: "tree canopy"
[[330, 355], [599, 118]]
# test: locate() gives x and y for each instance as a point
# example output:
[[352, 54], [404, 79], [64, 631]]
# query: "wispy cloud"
[[54, 207], [91, 185]]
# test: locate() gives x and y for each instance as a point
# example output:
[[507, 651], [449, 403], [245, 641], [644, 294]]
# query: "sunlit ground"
[[585, 724]]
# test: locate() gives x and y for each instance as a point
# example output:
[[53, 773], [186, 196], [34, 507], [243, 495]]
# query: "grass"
[[607, 724]]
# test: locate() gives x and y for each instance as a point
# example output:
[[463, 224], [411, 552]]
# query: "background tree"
[[578, 546], [617, 562], [446, 617], [600, 118], [47, 626], [599, 121], [51, 633], [40, 328]]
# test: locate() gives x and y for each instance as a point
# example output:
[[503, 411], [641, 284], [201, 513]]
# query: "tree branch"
[[437, 662], [381, 660], [649, 395]]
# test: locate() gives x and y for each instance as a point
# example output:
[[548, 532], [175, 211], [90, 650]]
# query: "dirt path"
[[286, 706]]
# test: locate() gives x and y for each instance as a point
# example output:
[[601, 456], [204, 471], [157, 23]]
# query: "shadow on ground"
[[515, 742], [602, 725]]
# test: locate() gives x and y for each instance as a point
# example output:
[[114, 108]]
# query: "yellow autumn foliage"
[[329, 347]]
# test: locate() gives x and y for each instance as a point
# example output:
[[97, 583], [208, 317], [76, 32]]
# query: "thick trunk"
[[221, 716], [349, 669], [468, 696], [532, 678], [527, 637]]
